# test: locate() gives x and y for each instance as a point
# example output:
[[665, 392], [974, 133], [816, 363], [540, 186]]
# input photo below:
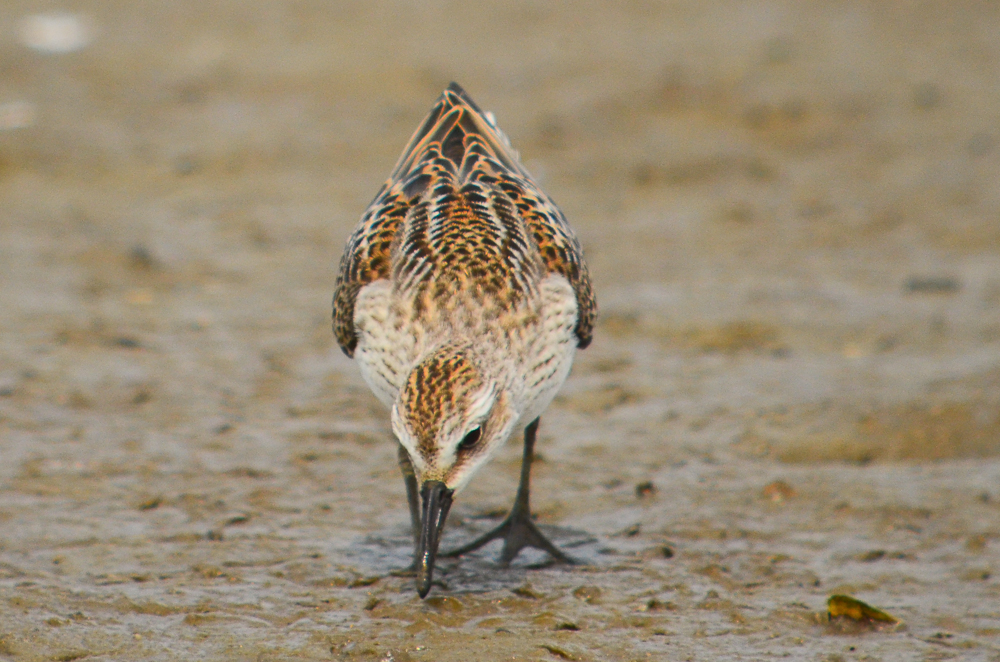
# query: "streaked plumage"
[[463, 294]]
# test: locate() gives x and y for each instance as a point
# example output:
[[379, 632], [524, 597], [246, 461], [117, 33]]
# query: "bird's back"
[[458, 242]]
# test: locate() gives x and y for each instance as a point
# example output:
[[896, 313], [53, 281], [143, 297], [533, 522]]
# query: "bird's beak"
[[437, 502]]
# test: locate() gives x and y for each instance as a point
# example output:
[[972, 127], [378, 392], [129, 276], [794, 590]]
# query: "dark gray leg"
[[517, 530], [412, 492]]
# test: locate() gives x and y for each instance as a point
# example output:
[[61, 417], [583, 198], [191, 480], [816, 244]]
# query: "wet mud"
[[792, 219]]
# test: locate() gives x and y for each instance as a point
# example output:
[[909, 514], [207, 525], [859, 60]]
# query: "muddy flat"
[[791, 213]]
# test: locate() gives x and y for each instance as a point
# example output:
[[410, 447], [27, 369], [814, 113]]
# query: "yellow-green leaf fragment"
[[845, 605]]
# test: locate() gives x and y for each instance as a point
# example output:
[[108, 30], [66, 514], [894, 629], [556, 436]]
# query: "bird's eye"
[[470, 439]]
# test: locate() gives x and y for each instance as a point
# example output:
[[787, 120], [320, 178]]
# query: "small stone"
[[778, 491], [152, 503], [525, 591], [645, 489], [874, 555]]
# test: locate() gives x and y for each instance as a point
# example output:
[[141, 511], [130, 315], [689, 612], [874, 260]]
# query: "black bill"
[[437, 501]]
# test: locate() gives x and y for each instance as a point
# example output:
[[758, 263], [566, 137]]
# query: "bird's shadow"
[[390, 552]]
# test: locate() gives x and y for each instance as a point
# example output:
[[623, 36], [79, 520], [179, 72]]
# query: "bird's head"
[[451, 418]]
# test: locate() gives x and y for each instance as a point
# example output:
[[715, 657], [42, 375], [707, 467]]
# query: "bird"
[[463, 296]]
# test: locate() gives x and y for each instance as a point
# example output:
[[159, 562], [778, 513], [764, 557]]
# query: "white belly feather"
[[390, 343], [385, 349]]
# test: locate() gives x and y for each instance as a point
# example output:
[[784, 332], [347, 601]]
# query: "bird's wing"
[[558, 246]]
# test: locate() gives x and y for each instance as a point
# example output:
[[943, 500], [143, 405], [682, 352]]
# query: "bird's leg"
[[412, 495], [517, 530]]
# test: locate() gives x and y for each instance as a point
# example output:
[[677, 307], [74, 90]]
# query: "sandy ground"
[[792, 216]]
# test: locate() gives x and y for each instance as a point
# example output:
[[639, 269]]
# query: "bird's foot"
[[517, 531]]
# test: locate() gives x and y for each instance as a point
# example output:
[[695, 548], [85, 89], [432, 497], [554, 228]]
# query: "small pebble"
[[778, 491]]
